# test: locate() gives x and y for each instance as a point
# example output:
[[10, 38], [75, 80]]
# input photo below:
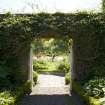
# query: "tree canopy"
[[51, 46]]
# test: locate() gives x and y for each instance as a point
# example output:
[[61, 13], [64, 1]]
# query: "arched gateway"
[[83, 28]]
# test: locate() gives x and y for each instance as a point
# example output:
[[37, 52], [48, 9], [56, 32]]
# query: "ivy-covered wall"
[[86, 30]]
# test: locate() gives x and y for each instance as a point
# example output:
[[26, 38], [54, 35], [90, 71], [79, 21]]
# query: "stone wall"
[[85, 53]]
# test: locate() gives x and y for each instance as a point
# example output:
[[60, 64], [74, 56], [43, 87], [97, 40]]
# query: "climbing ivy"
[[86, 29]]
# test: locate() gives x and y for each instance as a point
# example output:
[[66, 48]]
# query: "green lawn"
[[49, 65], [52, 66]]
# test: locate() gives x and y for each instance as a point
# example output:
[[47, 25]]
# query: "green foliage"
[[86, 98], [95, 82], [27, 86], [103, 5], [3, 77], [35, 77], [98, 71], [95, 87], [51, 46], [12, 96], [86, 29], [67, 78], [22, 90], [60, 64], [78, 89], [10, 77], [61, 67], [6, 98], [22, 29], [39, 65], [38, 46], [64, 66]]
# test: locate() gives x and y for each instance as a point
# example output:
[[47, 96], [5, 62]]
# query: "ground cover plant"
[[92, 89]]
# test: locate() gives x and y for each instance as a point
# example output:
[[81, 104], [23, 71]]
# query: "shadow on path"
[[60, 74], [51, 90], [74, 99]]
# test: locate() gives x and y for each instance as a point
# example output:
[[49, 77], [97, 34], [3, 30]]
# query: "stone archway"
[[30, 59], [82, 59], [84, 31]]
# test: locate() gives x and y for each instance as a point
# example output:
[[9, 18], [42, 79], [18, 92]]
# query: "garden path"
[[51, 90]]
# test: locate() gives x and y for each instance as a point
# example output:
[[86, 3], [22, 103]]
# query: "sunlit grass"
[[51, 66]]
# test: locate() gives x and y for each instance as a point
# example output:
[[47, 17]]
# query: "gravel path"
[[51, 90]]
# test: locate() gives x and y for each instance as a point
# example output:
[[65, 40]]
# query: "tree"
[[52, 47], [103, 5], [38, 46]]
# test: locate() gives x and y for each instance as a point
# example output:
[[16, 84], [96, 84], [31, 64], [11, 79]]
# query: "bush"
[[23, 89], [95, 87], [10, 77], [12, 96], [39, 64], [67, 78], [64, 66], [35, 77], [27, 87], [96, 71], [6, 98], [4, 82], [81, 92]]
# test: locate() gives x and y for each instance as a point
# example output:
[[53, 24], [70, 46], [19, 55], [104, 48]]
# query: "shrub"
[[4, 82], [12, 96], [77, 87], [61, 67], [23, 89], [35, 77], [27, 87], [67, 78], [95, 87], [39, 64], [64, 66], [10, 77], [96, 71], [6, 98]]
